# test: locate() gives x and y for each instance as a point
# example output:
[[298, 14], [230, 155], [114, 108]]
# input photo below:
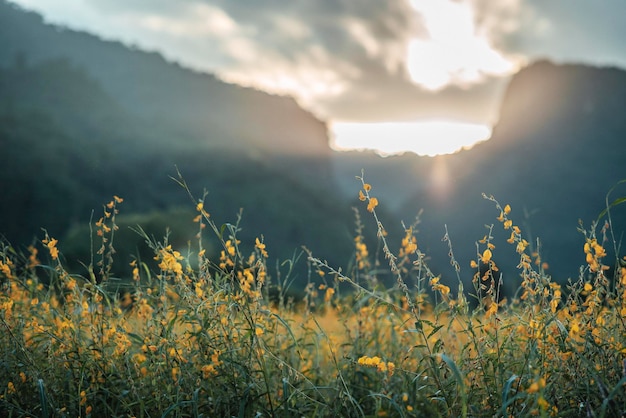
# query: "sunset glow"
[[453, 50], [422, 138]]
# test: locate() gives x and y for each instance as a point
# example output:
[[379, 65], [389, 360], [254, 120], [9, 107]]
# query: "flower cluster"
[[376, 362]]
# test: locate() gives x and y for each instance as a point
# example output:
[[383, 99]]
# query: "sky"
[[425, 76]]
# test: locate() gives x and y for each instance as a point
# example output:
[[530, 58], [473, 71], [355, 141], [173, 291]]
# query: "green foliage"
[[60, 163]]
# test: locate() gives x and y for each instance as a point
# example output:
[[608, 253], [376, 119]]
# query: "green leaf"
[[619, 387], [505, 394], [616, 202], [43, 399], [457, 375], [434, 331]]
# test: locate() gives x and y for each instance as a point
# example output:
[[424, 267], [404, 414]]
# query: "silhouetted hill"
[[553, 156], [82, 119], [557, 149], [192, 105]]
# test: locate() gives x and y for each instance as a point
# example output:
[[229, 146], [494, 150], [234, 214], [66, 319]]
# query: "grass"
[[222, 337]]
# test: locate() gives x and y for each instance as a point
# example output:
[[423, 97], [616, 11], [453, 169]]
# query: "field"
[[225, 337]]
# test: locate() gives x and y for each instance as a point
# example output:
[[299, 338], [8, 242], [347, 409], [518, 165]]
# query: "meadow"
[[224, 335]]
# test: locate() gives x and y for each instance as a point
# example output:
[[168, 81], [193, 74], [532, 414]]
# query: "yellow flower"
[[329, 294], [372, 204], [208, 370], [381, 366], [367, 187], [230, 248], [140, 358], [536, 386], [261, 247], [32, 258], [70, 284], [199, 291], [409, 242], [169, 260], [598, 249], [52, 247], [6, 269], [445, 290], [507, 209], [492, 310], [554, 303], [361, 196], [486, 256]]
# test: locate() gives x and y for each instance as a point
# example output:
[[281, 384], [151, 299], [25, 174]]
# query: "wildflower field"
[[221, 335]]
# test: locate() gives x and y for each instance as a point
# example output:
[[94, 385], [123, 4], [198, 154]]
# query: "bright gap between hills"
[[428, 138]]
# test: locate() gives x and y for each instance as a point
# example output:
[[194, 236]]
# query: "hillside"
[[147, 85], [555, 153], [82, 119]]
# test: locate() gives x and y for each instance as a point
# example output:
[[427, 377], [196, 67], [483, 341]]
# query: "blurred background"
[[274, 109]]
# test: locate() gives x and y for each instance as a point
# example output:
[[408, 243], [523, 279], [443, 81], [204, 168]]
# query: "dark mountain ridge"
[[82, 119], [184, 101], [557, 150]]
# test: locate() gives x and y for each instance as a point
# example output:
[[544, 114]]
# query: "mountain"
[[556, 151], [83, 119], [188, 103]]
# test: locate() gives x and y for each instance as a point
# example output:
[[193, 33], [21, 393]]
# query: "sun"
[[422, 137], [453, 51]]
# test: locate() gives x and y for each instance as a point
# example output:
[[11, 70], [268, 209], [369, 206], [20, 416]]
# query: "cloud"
[[454, 49], [349, 60], [342, 59], [577, 31], [313, 50], [376, 96]]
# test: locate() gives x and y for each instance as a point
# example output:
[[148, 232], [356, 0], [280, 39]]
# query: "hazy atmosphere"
[[415, 68], [280, 209]]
